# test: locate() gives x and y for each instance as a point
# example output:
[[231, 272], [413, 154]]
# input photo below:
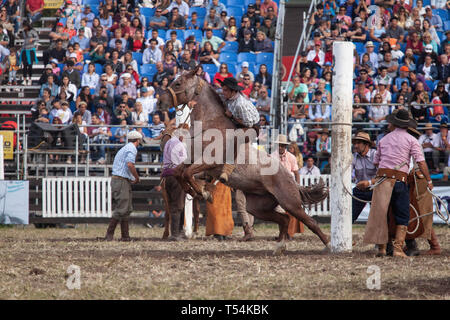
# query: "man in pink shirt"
[[288, 161], [269, 4], [392, 158]]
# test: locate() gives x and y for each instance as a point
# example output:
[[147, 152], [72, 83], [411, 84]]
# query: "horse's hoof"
[[327, 249]]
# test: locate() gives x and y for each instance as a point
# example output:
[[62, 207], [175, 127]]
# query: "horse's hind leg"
[[196, 210]]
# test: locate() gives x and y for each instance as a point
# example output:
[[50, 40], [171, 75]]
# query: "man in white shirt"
[[426, 141], [156, 36], [147, 99], [438, 4], [183, 8], [310, 168], [152, 54], [316, 55], [441, 144]]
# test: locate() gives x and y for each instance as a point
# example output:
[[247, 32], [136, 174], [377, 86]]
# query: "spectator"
[[310, 168], [177, 45], [147, 100], [58, 53], [441, 93], [202, 74], [303, 63], [73, 75], [193, 23], [430, 36], [99, 135], [85, 95], [54, 89], [121, 113], [137, 42], [152, 54], [88, 15], [65, 114], [268, 28], [297, 88], [28, 53], [186, 62], [378, 112], [441, 146], [126, 86], [69, 88], [245, 25], [426, 141], [34, 10], [245, 71], [139, 117], [110, 75], [390, 64], [255, 92], [216, 42], [262, 43], [136, 25], [13, 12], [104, 17], [384, 78], [247, 84], [221, 75], [359, 112], [434, 19], [395, 31], [12, 65], [125, 98], [208, 54], [81, 39], [263, 102], [319, 112], [121, 133], [418, 109], [428, 69], [266, 5], [246, 44], [161, 73], [217, 6], [98, 54], [85, 114], [170, 64], [414, 43], [264, 77], [177, 21], [409, 60], [323, 146], [158, 21], [213, 21], [356, 32], [118, 42], [134, 75], [386, 96], [105, 100], [90, 78], [56, 107], [156, 127], [98, 38], [182, 6], [317, 55]]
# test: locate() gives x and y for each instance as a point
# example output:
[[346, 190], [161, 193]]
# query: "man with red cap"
[[34, 10], [316, 54]]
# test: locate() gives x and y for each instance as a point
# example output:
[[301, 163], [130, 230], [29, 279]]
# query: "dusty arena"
[[35, 264]]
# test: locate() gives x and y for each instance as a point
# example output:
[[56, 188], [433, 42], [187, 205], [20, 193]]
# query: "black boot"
[[389, 249], [175, 234], [411, 248], [110, 232], [125, 231]]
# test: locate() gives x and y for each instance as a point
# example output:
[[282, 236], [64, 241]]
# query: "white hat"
[[282, 139], [73, 55], [134, 135], [126, 75], [244, 64], [429, 48]]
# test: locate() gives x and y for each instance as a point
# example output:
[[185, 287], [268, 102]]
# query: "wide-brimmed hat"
[[282, 139], [231, 83], [443, 125], [134, 135], [401, 119], [428, 126], [363, 136]]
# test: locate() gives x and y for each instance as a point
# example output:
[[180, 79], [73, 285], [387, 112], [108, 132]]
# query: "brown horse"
[[265, 183]]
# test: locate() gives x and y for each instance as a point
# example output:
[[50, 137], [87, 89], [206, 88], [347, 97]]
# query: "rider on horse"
[[240, 110]]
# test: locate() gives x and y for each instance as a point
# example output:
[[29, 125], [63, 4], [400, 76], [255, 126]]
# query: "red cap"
[[59, 24], [318, 42], [69, 2]]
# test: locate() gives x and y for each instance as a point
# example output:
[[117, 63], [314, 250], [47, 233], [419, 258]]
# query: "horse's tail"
[[314, 194]]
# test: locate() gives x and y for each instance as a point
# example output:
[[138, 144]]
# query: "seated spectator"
[[134, 75], [161, 73], [414, 43], [162, 88], [359, 112], [377, 112], [156, 127], [110, 75], [418, 109], [221, 75], [86, 96], [73, 74], [262, 43], [182, 6], [390, 64], [118, 42], [137, 42], [85, 114], [98, 135], [48, 71], [247, 84], [125, 98], [127, 86], [244, 71], [176, 43], [441, 147], [170, 64], [81, 39], [138, 116], [427, 51], [90, 78], [152, 54], [394, 31], [297, 88], [268, 28], [213, 20], [321, 86], [64, 113], [158, 21], [366, 79], [441, 93], [303, 63], [428, 69], [255, 19], [263, 102], [121, 113], [356, 33], [58, 53], [434, 19], [104, 17], [99, 38], [147, 100], [69, 88], [323, 145], [50, 84], [383, 92], [255, 92], [121, 13], [309, 168], [216, 42], [216, 5], [316, 55], [186, 62], [247, 44], [319, 112], [384, 78], [98, 54], [208, 54], [404, 71], [202, 74], [136, 25], [121, 133], [264, 77], [105, 100], [193, 23], [177, 21]]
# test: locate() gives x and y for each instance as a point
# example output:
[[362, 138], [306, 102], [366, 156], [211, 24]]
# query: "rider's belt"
[[122, 178], [392, 174]]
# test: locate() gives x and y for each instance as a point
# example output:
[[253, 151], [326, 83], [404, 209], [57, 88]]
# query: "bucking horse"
[[264, 187]]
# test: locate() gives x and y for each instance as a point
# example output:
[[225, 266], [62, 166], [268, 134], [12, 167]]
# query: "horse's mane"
[[215, 94]]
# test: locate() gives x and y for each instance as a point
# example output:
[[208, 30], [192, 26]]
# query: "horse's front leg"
[[188, 175]]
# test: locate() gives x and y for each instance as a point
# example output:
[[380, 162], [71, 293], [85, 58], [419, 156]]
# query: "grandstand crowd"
[[110, 60]]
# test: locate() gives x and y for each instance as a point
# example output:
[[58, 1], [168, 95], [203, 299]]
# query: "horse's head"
[[183, 89]]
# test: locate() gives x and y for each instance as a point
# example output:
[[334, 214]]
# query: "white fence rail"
[[322, 208], [76, 197]]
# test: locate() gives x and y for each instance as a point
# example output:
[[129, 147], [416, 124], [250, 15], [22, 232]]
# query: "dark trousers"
[[400, 203], [176, 199], [358, 206], [27, 67]]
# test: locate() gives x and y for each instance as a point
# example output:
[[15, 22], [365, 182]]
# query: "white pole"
[[2, 172], [341, 157]]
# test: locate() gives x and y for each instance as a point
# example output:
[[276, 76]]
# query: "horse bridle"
[[174, 94]]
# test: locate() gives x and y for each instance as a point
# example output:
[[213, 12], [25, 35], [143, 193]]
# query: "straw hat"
[[428, 126], [134, 135], [363, 136], [282, 139]]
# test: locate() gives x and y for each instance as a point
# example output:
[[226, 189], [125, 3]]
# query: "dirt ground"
[[34, 265]]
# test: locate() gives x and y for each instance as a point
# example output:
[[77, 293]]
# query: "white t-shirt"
[[437, 141], [427, 139]]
